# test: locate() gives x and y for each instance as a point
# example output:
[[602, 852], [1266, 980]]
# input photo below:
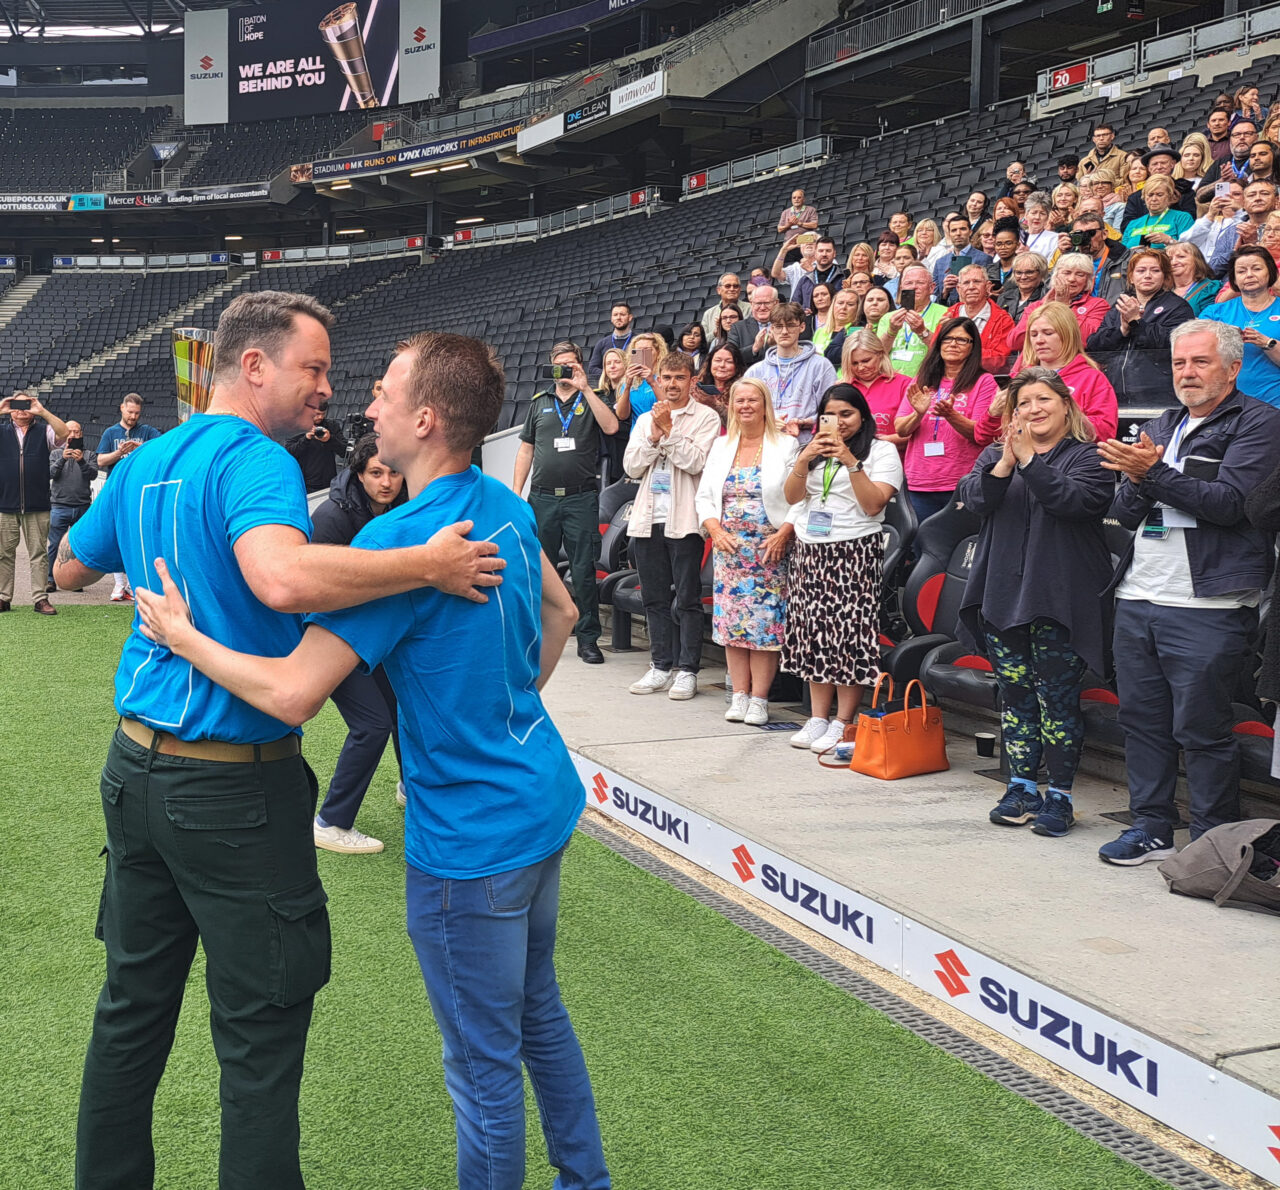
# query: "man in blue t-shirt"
[[492, 794], [118, 442], [207, 799]]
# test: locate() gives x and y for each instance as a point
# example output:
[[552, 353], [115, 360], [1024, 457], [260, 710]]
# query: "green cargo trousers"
[[220, 853], [574, 521]]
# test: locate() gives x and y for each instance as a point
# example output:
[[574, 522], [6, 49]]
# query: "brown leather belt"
[[170, 745]]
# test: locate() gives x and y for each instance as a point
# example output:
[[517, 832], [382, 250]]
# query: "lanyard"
[[784, 384], [829, 469], [623, 345], [575, 407], [1240, 173]]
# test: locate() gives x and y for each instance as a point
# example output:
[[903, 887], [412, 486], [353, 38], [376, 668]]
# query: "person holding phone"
[[837, 487], [907, 330], [116, 443], [319, 450], [644, 357], [946, 272], [72, 471]]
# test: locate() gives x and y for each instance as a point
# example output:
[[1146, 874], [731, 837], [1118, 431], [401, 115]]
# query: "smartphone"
[[1222, 190], [557, 372], [20, 403], [907, 299], [74, 444], [1144, 241], [644, 355], [710, 390], [828, 424], [958, 263]]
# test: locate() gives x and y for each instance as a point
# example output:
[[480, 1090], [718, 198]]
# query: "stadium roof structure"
[[33, 19]]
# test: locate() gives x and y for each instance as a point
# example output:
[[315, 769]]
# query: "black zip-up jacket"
[[345, 512], [24, 472], [1224, 459], [1139, 364]]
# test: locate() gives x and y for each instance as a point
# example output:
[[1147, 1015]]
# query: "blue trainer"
[[1018, 806], [1135, 847], [1057, 817]]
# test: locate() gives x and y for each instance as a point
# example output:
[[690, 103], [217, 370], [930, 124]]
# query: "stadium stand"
[[59, 149], [274, 145]]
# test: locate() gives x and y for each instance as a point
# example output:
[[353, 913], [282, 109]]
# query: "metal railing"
[[746, 169], [892, 24], [630, 202], [1183, 48]]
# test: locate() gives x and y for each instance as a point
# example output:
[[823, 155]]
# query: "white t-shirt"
[[794, 274], [1161, 571], [848, 521]]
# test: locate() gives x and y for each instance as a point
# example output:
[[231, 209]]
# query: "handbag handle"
[[875, 694], [1237, 876], [906, 705]]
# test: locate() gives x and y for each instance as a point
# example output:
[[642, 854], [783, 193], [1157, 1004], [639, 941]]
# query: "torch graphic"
[[341, 31], [193, 363]]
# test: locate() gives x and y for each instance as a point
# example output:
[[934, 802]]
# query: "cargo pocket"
[[300, 945], [111, 787], [98, 929], [222, 838]]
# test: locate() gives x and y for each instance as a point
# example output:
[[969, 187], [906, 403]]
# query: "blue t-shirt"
[[187, 499], [489, 780], [643, 398], [1259, 377], [112, 436]]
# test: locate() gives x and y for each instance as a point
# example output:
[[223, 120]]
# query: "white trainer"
[[829, 738], [347, 842], [401, 799], [757, 712], [737, 711], [652, 682], [808, 733], [684, 686]]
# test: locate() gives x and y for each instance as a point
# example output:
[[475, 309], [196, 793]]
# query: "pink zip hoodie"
[[1090, 389]]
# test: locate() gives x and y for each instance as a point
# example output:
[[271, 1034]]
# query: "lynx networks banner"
[[308, 57]]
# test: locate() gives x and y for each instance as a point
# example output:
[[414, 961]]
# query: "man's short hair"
[[264, 320], [132, 399], [625, 305], [563, 346], [981, 269], [1069, 159], [785, 312], [1111, 128], [460, 380], [678, 361], [824, 239], [1230, 342], [917, 268], [363, 453], [1091, 218]]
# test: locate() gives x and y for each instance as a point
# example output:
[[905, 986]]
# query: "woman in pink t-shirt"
[[939, 413], [865, 364]]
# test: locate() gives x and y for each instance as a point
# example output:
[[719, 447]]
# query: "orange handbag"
[[903, 743]]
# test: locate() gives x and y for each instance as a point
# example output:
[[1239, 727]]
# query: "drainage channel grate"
[[1122, 1141]]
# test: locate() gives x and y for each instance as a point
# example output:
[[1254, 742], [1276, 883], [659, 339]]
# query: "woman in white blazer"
[[742, 509]]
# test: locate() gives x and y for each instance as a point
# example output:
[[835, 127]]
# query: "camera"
[[357, 426], [1080, 239], [557, 372], [20, 403]]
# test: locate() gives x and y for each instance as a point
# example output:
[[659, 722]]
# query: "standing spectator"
[[794, 374], [750, 336], [1194, 159], [829, 335], [71, 471], [1068, 167], [1105, 154], [1191, 279], [857, 284], [826, 270], [1187, 602], [862, 259], [117, 441], [798, 217], [975, 208], [1162, 223], [865, 364], [722, 370], [1217, 131], [1026, 286], [1135, 177], [728, 293], [25, 449], [1071, 283], [886, 249], [319, 450], [1064, 199], [624, 329], [903, 258], [993, 323], [729, 317], [948, 266], [799, 274], [1089, 235], [743, 511], [559, 445], [1256, 312], [1014, 172], [365, 488], [693, 342], [900, 224], [609, 391], [1132, 344], [1040, 236], [1262, 507], [1005, 238], [939, 414], [837, 488], [928, 240], [666, 452], [1262, 161], [875, 304], [1218, 216], [1259, 201], [1246, 105], [820, 297], [906, 332], [1158, 136], [1031, 601], [1235, 165], [644, 356]]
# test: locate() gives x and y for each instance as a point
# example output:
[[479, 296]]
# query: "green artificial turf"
[[718, 1063]]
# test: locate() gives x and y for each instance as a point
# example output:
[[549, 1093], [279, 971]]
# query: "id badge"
[[820, 522], [933, 450], [1175, 518], [660, 482], [563, 444], [1155, 529], [902, 353]]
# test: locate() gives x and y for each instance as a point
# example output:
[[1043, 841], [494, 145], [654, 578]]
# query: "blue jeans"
[[61, 518], [486, 951]]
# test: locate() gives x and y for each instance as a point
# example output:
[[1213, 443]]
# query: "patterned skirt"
[[833, 611]]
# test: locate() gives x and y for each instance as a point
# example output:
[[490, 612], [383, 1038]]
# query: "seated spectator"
[[1053, 341], [1259, 201], [1217, 131], [1158, 136], [1093, 206], [799, 216], [1191, 279], [928, 240], [743, 511], [624, 328], [886, 249], [1031, 600], [1160, 162], [1089, 235], [728, 292], [1194, 159], [1163, 223], [837, 487], [612, 371], [724, 367], [1132, 344], [1271, 235], [820, 268], [904, 256], [1217, 215], [1014, 172], [1068, 167], [1071, 283], [937, 418], [1065, 197], [864, 363], [1025, 287], [946, 269], [819, 307], [826, 269], [905, 331], [975, 208], [1105, 154], [876, 303], [862, 259], [751, 334], [1262, 161], [666, 453], [758, 277], [1256, 312], [992, 322], [794, 373], [644, 357], [728, 317], [900, 223], [1004, 239], [1039, 236], [1245, 105], [1235, 165], [829, 335]]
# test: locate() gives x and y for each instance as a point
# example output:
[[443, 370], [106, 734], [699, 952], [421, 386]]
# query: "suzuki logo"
[[600, 787], [206, 62], [1272, 1149], [419, 35], [952, 969], [743, 863]]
